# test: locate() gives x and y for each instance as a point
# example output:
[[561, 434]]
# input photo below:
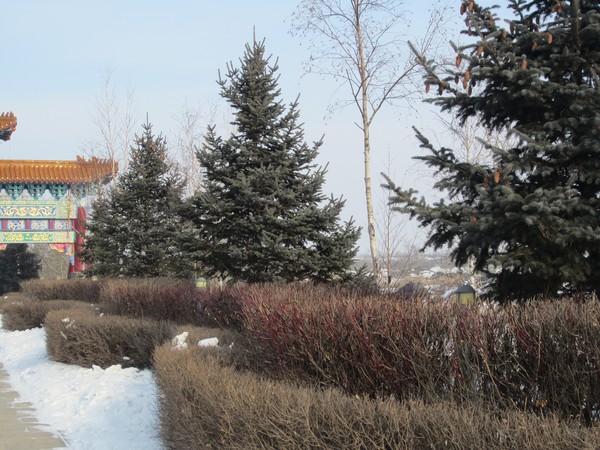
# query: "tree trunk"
[[369, 197], [367, 147]]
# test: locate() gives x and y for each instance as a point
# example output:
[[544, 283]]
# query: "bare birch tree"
[[361, 44], [472, 142]]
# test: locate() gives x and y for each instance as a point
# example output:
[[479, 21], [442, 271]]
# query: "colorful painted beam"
[[37, 237], [37, 209]]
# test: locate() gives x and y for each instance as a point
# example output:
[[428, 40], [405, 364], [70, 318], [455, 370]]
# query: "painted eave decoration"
[[8, 124], [81, 170]]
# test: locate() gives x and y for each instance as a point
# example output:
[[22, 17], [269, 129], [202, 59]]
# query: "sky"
[[165, 57]]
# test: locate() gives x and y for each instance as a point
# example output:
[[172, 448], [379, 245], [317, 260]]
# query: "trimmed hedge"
[[25, 314], [204, 401], [175, 301], [541, 356], [74, 337], [77, 289], [158, 298]]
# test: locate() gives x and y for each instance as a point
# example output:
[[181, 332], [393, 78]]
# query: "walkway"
[[19, 429]]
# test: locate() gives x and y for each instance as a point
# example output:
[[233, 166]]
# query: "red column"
[[77, 265]]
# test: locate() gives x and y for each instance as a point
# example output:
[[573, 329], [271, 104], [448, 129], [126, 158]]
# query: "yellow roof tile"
[[42, 171]]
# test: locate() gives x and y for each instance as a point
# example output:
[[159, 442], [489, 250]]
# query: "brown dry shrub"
[[74, 337], [221, 307], [173, 300], [26, 314], [540, 356], [204, 401], [557, 357], [365, 345], [240, 351], [156, 298], [84, 290]]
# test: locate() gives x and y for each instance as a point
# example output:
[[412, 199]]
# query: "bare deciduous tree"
[[192, 123], [114, 120], [474, 144], [471, 142], [189, 139], [361, 44], [393, 230]]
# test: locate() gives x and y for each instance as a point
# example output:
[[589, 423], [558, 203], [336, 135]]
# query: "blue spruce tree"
[[262, 216], [530, 220]]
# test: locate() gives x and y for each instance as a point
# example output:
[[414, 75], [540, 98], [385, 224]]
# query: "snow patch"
[[210, 342], [178, 341], [92, 409]]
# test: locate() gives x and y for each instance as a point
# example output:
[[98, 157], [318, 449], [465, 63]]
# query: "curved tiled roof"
[[41, 171]]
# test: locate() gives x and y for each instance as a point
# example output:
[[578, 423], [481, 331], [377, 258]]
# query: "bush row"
[[78, 289], [160, 299], [541, 356], [203, 400], [76, 337], [179, 302], [24, 314]]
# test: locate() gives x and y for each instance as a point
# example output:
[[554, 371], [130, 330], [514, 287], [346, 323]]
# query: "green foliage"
[[135, 227], [531, 219], [17, 264], [262, 215]]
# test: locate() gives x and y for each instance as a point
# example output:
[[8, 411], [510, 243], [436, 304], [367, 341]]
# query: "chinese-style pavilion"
[[44, 201]]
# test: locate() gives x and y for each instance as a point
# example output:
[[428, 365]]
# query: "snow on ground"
[[90, 408]]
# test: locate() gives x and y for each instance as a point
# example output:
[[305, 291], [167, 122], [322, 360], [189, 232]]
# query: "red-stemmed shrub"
[[541, 356], [175, 301], [159, 299]]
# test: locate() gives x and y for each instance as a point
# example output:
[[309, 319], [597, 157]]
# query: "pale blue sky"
[[54, 54]]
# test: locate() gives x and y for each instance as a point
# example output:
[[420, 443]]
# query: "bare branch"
[[115, 125], [189, 140], [360, 43]]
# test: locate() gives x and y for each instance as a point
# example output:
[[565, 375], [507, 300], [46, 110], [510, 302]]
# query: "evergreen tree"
[[262, 216], [17, 264], [531, 219], [135, 227]]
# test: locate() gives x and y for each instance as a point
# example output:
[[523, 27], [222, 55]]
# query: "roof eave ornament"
[[8, 124]]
